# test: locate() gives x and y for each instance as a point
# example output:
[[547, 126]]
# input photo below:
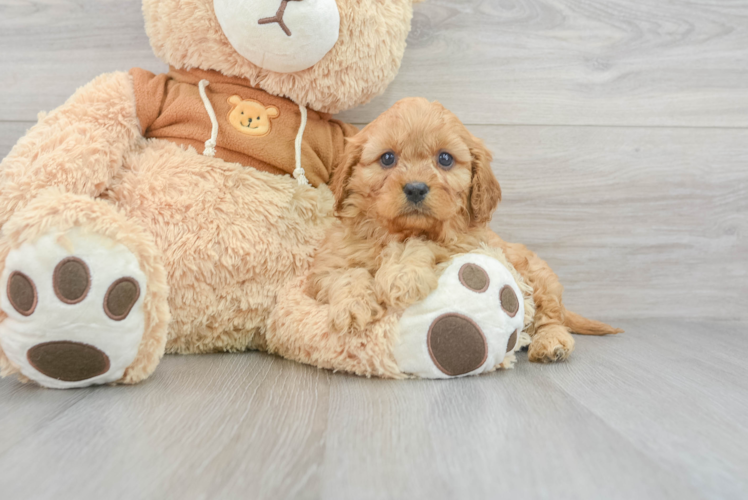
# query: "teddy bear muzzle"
[[284, 36]]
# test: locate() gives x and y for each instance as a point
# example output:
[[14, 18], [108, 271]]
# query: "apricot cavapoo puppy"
[[417, 188]]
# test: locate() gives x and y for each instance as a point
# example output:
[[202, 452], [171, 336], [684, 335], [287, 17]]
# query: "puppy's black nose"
[[416, 192]]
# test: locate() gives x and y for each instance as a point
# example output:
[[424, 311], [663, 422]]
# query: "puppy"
[[415, 189]]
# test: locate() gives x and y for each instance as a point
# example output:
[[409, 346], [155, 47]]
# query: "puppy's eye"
[[446, 160], [388, 159]]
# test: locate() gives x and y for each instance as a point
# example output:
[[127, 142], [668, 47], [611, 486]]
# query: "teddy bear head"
[[329, 55]]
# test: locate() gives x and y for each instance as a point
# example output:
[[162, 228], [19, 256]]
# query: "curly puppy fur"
[[383, 252]]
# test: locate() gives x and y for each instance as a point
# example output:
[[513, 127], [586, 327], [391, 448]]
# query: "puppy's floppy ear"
[[485, 193], [342, 174]]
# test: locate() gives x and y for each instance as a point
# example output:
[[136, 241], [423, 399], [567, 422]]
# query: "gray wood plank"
[[50, 48], [220, 426], [10, 132], [619, 62], [507, 435], [636, 222], [26, 410], [654, 413], [677, 391]]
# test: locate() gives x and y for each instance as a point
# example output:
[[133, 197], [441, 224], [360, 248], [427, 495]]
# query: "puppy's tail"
[[584, 326]]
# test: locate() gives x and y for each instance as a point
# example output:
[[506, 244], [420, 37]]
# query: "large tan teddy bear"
[[175, 212]]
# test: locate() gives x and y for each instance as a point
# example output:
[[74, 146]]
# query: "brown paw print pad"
[[474, 277], [509, 301], [457, 344], [68, 361], [120, 298], [22, 293], [512, 341], [71, 280]]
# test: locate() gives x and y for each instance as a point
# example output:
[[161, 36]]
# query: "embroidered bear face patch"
[[251, 117]]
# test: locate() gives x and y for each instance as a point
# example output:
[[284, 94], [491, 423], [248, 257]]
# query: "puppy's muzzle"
[[416, 192]]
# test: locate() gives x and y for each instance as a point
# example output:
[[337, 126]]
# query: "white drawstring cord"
[[299, 173], [210, 144]]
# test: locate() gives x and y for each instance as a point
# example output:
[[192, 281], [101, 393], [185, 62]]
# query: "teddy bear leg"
[[299, 329], [83, 294], [471, 324]]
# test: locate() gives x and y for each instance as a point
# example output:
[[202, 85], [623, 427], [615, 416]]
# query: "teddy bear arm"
[[77, 148]]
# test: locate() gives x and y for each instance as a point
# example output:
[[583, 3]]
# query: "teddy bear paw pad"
[[74, 306], [467, 325]]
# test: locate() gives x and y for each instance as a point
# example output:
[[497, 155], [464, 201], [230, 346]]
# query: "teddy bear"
[[178, 212]]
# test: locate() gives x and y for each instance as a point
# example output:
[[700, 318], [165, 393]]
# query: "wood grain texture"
[[247, 426], [618, 62], [636, 222], [10, 132], [655, 413], [49, 48], [631, 62]]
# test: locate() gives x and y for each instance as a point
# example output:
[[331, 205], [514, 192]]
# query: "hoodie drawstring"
[[299, 173], [210, 145]]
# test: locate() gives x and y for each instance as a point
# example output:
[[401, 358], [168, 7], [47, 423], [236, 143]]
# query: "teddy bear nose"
[[416, 192]]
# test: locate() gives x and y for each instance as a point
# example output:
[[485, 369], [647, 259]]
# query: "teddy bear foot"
[[471, 324], [74, 305]]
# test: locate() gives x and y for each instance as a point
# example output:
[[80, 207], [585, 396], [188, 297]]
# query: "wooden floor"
[[659, 412], [620, 135]]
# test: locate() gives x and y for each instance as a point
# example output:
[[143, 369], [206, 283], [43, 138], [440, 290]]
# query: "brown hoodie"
[[255, 128]]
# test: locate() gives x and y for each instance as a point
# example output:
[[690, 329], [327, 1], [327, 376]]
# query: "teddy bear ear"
[[235, 99], [272, 111]]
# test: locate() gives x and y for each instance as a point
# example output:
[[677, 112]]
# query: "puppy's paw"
[[406, 276], [551, 344], [471, 324], [401, 286]]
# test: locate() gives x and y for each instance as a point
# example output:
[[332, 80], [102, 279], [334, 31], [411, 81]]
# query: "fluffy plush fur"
[[224, 239], [383, 254], [217, 241]]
